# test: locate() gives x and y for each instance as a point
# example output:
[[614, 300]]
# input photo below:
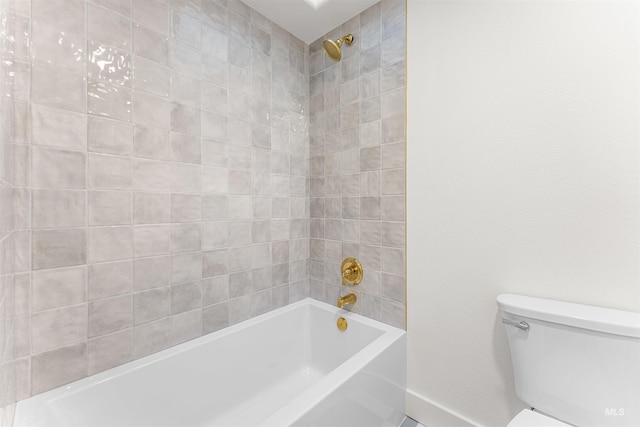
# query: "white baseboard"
[[432, 414]]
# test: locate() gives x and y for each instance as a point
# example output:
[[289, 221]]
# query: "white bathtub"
[[289, 367]]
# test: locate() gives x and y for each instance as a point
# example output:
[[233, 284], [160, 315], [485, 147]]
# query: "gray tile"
[[186, 326], [58, 128], [186, 90], [70, 363], [151, 208], [110, 243], [185, 28], [151, 77], [152, 272], [109, 351], [110, 279], [150, 44], [153, 14], [151, 110], [108, 27], [109, 100], [151, 305], [110, 207], [58, 208], [215, 317], [185, 178], [186, 119], [46, 47], [151, 142], [186, 297], [108, 64], [186, 267], [122, 7], [215, 263], [185, 238], [110, 315], [58, 288], [68, 93], [109, 136], [54, 168], [110, 172], [215, 290], [151, 337], [58, 248], [186, 207], [186, 148], [59, 327], [152, 175], [151, 240]]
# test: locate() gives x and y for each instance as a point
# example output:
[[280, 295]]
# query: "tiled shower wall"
[[12, 46], [357, 149], [163, 184], [159, 164], [7, 365]]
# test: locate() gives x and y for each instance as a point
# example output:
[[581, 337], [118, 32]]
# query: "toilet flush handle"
[[520, 325]]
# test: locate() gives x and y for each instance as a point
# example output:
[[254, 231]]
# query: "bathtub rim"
[[389, 335]]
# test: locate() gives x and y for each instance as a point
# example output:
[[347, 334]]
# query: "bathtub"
[[289, 367]]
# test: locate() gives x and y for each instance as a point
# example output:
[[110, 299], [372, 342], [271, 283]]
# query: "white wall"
[[522, 177]]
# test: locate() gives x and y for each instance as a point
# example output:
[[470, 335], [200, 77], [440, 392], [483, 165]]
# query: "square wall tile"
[[59, 327], [186, 326], [151, 208], [110, 207], [70, 363], [151, 337], [110, 172], [58, 248], [55, 168], [152, 272], [151, 175], [109, 100], [106, 26], [151, 305], [58, 288], [109, 136], [151, 240], [69, 92], [109, 351], [110, 279], [110, 243], [58, 128], [58, 44], [151, 142], [110, 315], [58, 208]]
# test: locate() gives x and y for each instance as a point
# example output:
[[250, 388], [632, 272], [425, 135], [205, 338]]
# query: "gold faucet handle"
[[352, 272], [346, 275]]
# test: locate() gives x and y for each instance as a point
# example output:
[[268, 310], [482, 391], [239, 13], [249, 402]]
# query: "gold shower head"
[[332, 48]]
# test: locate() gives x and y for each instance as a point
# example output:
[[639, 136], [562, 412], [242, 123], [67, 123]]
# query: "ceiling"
[[305, 21]]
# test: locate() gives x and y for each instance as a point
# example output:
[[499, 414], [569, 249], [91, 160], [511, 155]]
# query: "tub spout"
[[347, 299]]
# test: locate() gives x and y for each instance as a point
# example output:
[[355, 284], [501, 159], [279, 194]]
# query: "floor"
[[410, 422]]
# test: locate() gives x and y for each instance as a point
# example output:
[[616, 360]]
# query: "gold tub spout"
[[347, 299]]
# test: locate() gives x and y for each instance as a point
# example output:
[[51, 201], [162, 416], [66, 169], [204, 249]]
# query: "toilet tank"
[[577, 363]]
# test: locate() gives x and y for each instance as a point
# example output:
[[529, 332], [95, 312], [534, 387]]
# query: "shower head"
[[332, 48]]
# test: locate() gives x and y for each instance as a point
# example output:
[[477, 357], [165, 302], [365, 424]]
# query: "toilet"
[[574, 364]]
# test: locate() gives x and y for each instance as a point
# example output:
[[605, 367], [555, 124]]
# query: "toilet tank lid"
[[608, 320]]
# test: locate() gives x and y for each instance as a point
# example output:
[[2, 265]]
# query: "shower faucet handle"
[[352, 271]]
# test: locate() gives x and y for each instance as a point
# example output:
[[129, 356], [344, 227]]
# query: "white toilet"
[[573, 364]]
